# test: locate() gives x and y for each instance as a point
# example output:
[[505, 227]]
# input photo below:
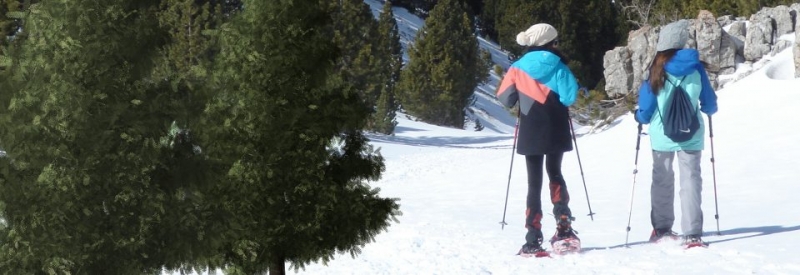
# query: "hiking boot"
[[662, 234], [693, 241], [564, 229]]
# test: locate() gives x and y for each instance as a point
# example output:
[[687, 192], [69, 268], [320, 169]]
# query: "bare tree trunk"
[[277, 266]]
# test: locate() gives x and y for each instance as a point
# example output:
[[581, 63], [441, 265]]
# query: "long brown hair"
[[657, 69]]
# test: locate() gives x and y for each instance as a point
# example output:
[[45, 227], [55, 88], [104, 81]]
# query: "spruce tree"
[[95, 176], [391, 58], [356, 35], [287, 130], [445, 67]]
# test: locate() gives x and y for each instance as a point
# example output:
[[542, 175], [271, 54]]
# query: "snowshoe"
[[533, 250], [566, 240]]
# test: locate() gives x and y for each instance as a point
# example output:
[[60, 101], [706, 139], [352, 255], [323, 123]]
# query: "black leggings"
[[558, 188]]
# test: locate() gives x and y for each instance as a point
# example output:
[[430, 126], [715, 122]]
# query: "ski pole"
[[575, 140], [635, 171], [714, 172], [510, 168]]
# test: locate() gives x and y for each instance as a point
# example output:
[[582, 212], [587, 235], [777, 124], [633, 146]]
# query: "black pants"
[[558, 193]]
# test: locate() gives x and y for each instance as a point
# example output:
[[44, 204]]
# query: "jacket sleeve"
[[647, 103], [567, 85], [708, 98], [507, 92]]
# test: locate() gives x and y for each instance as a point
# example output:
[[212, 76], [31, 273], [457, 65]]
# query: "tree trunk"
[[277, 266]]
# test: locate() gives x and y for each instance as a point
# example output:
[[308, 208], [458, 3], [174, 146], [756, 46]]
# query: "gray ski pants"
[[662, 192]]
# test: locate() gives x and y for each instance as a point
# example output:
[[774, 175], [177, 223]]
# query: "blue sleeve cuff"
[[647, 104]]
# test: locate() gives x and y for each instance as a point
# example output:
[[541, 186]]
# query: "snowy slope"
[[452, 186]]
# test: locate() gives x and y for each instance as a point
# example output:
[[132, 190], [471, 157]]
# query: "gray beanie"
[[537, 35], [673, 36]]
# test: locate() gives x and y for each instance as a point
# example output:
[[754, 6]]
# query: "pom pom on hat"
[[537, 35]]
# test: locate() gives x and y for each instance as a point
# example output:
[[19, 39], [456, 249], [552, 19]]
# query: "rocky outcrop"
[[626, 67]]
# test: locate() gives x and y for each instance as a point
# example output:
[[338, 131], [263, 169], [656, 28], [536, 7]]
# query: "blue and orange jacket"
[[544, 87], [685, 70], [535, 76]]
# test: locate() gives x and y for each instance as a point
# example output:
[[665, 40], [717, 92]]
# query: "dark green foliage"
[[182, 66], [385, 113], [445, 67], [8, 24], [355, 34], [366, 55], [286, 128], [96, 177], [391, 53]]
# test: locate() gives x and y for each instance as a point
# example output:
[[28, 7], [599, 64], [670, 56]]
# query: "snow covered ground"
[[452, 186]]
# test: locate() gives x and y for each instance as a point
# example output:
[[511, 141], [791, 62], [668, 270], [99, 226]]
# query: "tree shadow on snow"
[[631, 244], [761, 231], [451, 142]]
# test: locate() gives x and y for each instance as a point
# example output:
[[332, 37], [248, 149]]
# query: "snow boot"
[[659, 235], [565, 240], [693, 241], [532, 250]]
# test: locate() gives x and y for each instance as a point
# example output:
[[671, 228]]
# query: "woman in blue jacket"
[[674, 66]]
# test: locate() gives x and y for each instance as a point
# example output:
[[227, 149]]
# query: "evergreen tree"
[[392, 56], [490, 12], [587, 29], [287, 130], [445, 67], [356, 35], [94, 172]]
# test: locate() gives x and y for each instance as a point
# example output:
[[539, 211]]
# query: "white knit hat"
[[537, 35]]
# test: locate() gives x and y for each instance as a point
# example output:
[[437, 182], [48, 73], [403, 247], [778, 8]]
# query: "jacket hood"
[[538, 64], [684, 62]]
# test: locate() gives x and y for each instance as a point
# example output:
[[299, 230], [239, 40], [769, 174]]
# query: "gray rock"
[[642, 46], [759, 38], [784, 19], [727, 54], [618, 71], [738, 32], [709, 39]]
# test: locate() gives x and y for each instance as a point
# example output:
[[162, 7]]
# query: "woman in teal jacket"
[[674, 66]]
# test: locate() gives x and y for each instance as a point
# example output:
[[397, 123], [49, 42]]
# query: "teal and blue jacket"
[[685, 70]]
